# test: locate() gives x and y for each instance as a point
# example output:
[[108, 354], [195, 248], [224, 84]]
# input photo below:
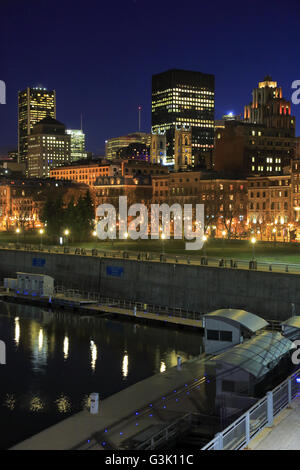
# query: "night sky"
[[100, 55]]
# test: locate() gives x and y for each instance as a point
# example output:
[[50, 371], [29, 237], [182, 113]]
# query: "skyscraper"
[[34, 104], [48, 147], [268, 108], [184, 98], [264, 142], [77, 144]]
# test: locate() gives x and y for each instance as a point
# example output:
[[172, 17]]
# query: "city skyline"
[[108, 98]]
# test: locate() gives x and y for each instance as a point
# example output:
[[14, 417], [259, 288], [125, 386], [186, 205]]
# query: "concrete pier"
[[146, 406]]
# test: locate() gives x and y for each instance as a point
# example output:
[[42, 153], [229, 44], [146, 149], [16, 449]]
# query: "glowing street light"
[[163, 237], [253, 241], [66, 233], [41, 232], [94, 234], [18, 231], [204, 239]]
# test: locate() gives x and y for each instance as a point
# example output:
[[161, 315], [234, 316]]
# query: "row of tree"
[[77, 217]]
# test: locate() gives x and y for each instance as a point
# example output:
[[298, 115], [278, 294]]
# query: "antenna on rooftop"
[[139, 112]]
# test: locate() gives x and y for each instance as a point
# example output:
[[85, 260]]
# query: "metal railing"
[[238, 434], [160, 310], [177, 427], [223, 262]]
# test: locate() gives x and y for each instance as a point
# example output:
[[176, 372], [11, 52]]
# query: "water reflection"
[[93, 355], [125, 365], [17, 331], [66, 347], [10, 401], [43, 382], [63, 404], [36, 404]]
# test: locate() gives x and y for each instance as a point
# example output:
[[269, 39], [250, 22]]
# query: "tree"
[[52, 216]]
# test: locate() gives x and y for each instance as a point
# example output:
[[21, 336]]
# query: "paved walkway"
[[284, 435], [153, 402], [146, 315]]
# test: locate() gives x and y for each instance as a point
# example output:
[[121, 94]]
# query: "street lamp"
[[41, 232], [204, 239], [94, 233], [274, 231], [253, 241], [66, 233], [163, 236], [18, 232]]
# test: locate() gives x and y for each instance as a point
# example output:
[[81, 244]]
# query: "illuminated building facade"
[[158, 147], [116, 143], [77, 144], [269, 109], [48, 147], [135, 151], [182, 148], [90, 171], [295, 190], [22, 200], [264, 142], [224, 199], [269, 206], [34, 104], [184, 98], [84, 173]]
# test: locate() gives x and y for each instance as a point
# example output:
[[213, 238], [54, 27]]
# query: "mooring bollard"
[[94, 406]]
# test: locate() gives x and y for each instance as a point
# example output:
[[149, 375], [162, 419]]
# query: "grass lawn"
[[238, 249]]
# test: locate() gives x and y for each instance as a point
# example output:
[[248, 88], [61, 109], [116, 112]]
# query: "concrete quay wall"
[[197, 288]]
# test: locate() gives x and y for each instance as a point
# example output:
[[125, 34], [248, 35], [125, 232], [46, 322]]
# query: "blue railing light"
[[298, 380]]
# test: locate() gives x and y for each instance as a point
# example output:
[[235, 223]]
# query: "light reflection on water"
[[56, 359]]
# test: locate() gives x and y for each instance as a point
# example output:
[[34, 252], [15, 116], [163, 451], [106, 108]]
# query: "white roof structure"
[[259, 354], [234, 316]]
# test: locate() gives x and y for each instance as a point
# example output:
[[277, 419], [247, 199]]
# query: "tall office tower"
[[78, 151], [182, 148], [158, 148], [48, 147], [264, 142], [34, 104], [268, 108], [181, 97]]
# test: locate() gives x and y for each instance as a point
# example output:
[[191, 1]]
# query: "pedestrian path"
[[285, 432]]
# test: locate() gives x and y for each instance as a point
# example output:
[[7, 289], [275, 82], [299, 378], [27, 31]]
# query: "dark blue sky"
[[100, 55]]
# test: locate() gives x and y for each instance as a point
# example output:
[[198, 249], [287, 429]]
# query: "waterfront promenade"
[[285, 432]]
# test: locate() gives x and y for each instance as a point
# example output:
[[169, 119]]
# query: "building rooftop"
[[259, 354], [249, 320]]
